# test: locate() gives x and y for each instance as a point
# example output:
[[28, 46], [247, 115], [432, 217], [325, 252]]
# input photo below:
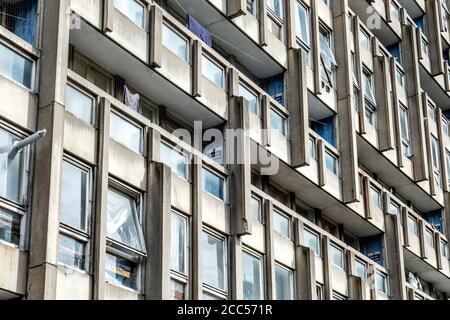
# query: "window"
[[79, 104], [302, 23], [395, 11], [281, 224], [394, 209], [445, 130], [178, 290], [252, 7], [179, 244], [19, 17], [369, 114], [364, 40], [312, 148], [312, 240], [338, 297], [327, 55], [404, 131], [400, 75], [361, 269], [424, 46], [212, 71], [122, 220], [251, 98], [375, 197], [9, 227], [256, 209], [15, 66], [337, 256], [284, 283], [431, 112], [214, 261], [445, 17], [176, 160], [92, 72], [331, 163], [276, 6], [213, 184], [319, 292], [132, 9], [447, 163], [429, 238], [278, 122], [436, 160], [121, 271], [413, 226], [381, 283], [12, 171], [125, 132], [368, 87], [274, 27], [71, 252], [177, 44], [74, 205], [252, 277], [444, 249]]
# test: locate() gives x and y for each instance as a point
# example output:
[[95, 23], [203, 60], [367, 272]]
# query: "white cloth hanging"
[[130, 99]]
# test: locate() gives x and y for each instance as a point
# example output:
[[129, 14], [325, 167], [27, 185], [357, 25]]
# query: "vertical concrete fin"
[[155, 34]]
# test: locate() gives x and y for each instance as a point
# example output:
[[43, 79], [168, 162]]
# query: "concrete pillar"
[[433, 21], [269, 244], [327, 279], [197, 68], [155, 34], [101, 192], [108, 8], [236, 8], [298, 107], [49, 151], [345, 108], [305, 272], [395, 262], [158, 231], [197, 228], [262, 13], [413, 88]]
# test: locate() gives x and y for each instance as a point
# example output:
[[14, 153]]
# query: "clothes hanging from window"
[[131, 100], [199, 30]]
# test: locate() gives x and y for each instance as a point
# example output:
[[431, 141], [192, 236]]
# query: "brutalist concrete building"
[[224, 149]]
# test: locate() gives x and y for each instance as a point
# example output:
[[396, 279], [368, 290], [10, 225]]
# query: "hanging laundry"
[[130, 99], [199, 30]]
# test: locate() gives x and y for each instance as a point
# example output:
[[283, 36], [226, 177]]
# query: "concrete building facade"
[[225, 149]]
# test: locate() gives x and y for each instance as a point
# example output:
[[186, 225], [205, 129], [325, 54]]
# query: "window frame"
[[411, 219], [260, 211], [284, 120], [20, 52], [123, 117], [218, 292], [244, 86], [289, 220], [318, 249], [340, 249], [173, 29], [223, 180], [253, 254], [81, 89], [406, 140], [291, 279], [142, 5], [298, 25], [181, 153], [213, 61]]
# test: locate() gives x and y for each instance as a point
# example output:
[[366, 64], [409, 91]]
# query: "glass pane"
[[132, 9], [178, 290], [311, 240], [375, 198], [276, 6], [381, 283], [331, 163], [175, 43], [122, 224], [11, 171], [284, 284], [252, 277], [360, 269], [121, 271], [250, 98], [74, 206], [429, 238], [214, 262], [213, 72], [9, 227], [125, 132], [179, 246], [277, 122], [213, 184], [281, 224], [15, 66], [412, 225], [337, 257], [256, 209], [71, 252], [302, 23], [175, 160], [79, 104]]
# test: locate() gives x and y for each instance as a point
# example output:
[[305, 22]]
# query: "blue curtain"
[[25, 24], [275, 88], [325, 128], [372, 247]]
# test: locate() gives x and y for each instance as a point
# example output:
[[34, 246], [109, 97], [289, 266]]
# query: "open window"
[[327, 58]]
